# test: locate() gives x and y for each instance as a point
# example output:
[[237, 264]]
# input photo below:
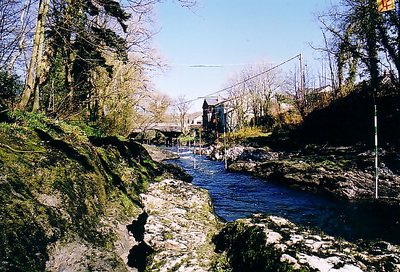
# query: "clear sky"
[[230, 34]]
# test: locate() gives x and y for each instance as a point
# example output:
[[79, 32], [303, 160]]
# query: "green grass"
[[246, 135]]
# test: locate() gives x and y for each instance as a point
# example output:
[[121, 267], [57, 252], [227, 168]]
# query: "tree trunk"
[[68, 56], [34, 65], [39, 65], [68, 79]]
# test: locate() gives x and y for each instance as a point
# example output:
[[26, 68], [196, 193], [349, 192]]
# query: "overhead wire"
[[241, 82]]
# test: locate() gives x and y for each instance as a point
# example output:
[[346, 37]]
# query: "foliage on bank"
[[57, 185]]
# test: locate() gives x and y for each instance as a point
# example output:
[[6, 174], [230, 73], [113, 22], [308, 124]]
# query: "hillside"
[[67, 198], [350, 120], [332, 150]]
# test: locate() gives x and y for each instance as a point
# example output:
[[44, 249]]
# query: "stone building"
[[214, 118]]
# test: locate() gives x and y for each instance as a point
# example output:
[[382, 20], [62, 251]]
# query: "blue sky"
[[231, 34]]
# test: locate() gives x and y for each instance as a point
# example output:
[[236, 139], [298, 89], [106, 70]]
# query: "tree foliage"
[[10, 87], [364, 41], [83, 59]]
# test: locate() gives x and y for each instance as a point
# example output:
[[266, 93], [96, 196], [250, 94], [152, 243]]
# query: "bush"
[[10, 89]]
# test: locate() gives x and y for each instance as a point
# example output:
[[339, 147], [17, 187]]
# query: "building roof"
[[212, 100]]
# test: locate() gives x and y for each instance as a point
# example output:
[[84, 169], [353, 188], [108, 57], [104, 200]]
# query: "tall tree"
[[389, 36], [89, 60], [34, 70], [362, 37], [15, 23]]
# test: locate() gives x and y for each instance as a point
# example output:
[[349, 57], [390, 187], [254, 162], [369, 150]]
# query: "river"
[[238, 195]]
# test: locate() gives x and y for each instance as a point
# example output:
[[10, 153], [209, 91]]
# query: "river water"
[[238, 195]]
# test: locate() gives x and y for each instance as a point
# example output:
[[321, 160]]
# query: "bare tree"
[[361, 39], [15, 24], [237, 105], [328, 63], [294, 89], [253, 94], [183, 106]]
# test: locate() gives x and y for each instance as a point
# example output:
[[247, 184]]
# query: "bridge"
[[169, 130]]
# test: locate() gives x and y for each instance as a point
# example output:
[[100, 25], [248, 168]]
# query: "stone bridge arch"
[[171, 131]]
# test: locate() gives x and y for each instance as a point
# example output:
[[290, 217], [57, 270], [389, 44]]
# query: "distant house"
[[214, 114], [196, 121]]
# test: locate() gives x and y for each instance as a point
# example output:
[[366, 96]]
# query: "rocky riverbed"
[[342, 172], [273, 243], [158, 154], [181, 233], [179, 227]]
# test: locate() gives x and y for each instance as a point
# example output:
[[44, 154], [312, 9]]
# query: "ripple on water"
[[237, 195]]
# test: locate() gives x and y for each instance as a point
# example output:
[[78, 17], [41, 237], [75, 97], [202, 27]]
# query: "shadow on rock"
[[138, 256], [137, 227]]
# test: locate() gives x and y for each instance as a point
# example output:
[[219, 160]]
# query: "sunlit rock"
[[179, 227], [270, 243], [347, 175]]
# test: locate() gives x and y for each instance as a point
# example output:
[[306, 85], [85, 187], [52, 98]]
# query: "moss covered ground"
[[57, 185]]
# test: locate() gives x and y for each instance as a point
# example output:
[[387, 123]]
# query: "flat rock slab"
[[158, 154], [271, 243], [180, 226], [343, 173]]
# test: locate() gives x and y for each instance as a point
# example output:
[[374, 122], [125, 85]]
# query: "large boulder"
[[179, 227], [270, 243], [240, 153], [340, 172]]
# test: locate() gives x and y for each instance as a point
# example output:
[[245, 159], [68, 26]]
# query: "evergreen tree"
[[81, 36]]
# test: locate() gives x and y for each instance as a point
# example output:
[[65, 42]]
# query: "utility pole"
[[301, 92], [301, 72], [302, 78], [200, 131]]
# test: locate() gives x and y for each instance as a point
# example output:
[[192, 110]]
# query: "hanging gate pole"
[[376, 148], [225, 158]]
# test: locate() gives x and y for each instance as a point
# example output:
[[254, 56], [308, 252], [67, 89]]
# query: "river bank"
[[67, 197], [179, 227], [257, 243], [270, 243], [342, 172], [181, 233]]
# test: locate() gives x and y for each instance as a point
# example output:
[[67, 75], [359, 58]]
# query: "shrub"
[[10, 89]]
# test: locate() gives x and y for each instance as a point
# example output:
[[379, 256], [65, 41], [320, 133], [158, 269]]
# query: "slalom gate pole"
[[376, 148]]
